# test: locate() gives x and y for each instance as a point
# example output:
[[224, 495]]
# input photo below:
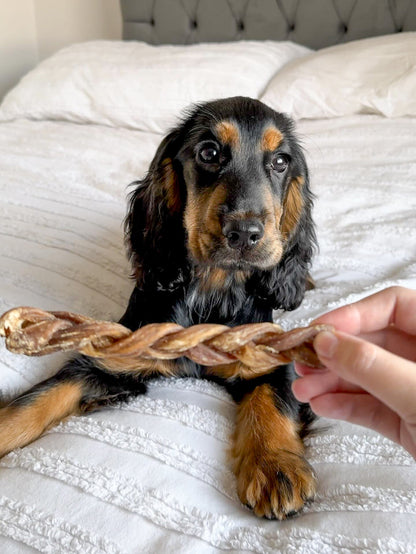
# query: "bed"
[[152, 476]]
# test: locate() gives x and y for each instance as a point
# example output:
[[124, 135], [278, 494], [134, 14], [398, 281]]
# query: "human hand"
[[370, 370]]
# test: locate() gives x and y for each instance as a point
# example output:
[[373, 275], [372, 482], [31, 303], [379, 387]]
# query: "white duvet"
[[152, 476]]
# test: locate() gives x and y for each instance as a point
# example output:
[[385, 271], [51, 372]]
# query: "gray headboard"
[[314, 23]]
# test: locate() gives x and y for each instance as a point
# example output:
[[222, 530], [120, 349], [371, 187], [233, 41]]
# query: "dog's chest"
[[229, 307], [201, 304]]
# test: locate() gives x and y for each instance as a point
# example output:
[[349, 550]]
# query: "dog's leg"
[[24, 419], [273, 476], [79, 387]]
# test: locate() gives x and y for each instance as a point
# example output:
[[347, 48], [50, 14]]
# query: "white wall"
[[62, 22], [31, 30], [18, 41]]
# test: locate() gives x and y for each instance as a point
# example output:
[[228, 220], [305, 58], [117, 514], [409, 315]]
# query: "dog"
[[220, 230]]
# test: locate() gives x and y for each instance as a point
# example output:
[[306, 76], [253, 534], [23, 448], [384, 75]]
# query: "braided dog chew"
[[259, 346]]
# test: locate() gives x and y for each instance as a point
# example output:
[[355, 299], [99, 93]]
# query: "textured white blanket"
[[152, 476]]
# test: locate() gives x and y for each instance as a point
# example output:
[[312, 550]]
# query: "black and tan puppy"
[[220, 230]]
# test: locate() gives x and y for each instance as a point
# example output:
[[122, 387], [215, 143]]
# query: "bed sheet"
[[152, 476]]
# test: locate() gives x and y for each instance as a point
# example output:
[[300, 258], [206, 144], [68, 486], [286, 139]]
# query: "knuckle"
[[362, 357], [394, 292], [395, 288]]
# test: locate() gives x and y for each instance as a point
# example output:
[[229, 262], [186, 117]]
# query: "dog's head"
[[227, 191]]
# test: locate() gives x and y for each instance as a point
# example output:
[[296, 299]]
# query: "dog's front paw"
[[277, 485]]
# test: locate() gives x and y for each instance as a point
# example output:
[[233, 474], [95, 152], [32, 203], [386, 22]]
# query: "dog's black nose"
[[243, 234]]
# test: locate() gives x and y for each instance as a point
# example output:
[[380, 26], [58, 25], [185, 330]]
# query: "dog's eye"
[[280, 163], [209, 153]]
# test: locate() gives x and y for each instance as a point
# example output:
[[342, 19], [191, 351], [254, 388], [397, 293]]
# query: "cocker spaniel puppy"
[[220, 230]]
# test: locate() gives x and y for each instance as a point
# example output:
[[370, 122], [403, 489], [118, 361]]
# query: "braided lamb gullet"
[[260, 347]]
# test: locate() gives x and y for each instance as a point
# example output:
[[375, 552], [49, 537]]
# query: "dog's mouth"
[[244, 260], [214, 252]]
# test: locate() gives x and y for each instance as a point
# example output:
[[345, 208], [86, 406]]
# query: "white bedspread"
[[152, 476]]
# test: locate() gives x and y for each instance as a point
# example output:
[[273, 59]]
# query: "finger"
[[302, 369], [390, 378], [361, 409], [313, 385], [391, 339], [395, 305], [395, 341]]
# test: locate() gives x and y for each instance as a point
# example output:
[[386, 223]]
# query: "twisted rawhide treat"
[[260, 346]]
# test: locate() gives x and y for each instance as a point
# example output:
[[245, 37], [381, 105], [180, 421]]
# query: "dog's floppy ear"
[[284, 286], [153, 226]]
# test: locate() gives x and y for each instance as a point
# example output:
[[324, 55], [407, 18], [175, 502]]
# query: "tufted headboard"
[[313, 23]]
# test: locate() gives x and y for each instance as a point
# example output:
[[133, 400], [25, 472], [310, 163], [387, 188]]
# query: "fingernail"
[[325, 344]]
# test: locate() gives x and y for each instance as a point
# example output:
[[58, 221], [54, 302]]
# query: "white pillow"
[[376, 75], [135, 85]]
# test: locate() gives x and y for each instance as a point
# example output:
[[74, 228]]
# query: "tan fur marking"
[[201, 220], [228, 133], [237, 369], [272, 235], [192, 224], [278, 430], [168, 368], [170, 186], [278, 211], [292, 207], [271, 140], [20, 425], [216, 278], [267, 457], [210, 206]]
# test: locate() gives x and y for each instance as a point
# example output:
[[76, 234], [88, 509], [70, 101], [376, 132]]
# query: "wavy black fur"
[[171, 282], [167, 280]]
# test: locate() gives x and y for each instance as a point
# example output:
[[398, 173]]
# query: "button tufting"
[[248, 18]]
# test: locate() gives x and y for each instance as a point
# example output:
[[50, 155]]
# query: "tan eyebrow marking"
[[272, 138], [228, 133]]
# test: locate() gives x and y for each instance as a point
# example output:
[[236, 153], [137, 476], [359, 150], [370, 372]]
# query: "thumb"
[[388, 377]]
